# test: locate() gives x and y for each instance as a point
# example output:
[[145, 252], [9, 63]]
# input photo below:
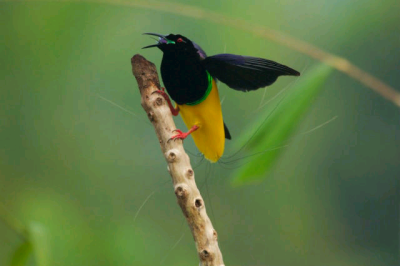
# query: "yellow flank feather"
[[207, 115]]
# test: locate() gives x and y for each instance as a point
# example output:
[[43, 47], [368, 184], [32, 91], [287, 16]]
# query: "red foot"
[[174, 111], [182, 135]]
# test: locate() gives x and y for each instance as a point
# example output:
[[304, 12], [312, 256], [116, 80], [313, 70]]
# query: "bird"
[[190, 79]]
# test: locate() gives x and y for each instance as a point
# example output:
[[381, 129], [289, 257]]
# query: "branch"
[[186, 191]]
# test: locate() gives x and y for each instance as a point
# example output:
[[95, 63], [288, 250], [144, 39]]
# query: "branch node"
[[205, 255], [198, 203], [158, 101], [181, 191], [172, 155], [189, 173], [215, 234]]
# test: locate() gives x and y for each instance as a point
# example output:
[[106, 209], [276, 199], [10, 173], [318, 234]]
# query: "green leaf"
[[277, 125], [21, 254], [40, 243]]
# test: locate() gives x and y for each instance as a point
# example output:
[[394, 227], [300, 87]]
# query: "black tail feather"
[[227, 134]]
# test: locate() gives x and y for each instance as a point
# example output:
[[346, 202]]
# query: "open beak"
[[161, 39], [149, 46]]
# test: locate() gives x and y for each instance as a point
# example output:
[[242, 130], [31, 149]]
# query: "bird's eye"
[[179, 40]]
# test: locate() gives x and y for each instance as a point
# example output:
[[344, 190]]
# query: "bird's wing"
[[245, 73], [200, 51]]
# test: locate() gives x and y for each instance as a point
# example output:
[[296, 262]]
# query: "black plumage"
[[184, 69], [245, 73], [184, 77]]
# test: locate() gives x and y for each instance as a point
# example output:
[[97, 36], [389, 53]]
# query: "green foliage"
[[40, 243], [278, 124], [21, 254], [36, 240]]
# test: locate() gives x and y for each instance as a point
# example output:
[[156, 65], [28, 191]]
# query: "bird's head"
[[173, 43]]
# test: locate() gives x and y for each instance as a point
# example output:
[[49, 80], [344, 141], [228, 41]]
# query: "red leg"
[[174, 111], [182, 135]]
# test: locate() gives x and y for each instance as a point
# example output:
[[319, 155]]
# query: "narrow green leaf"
[[21, 254], [278, 124], [40, 243]]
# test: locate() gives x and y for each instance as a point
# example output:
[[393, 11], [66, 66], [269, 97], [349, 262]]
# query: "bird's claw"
[[174, 111], [181, 135], [161, 91], [178, 130]]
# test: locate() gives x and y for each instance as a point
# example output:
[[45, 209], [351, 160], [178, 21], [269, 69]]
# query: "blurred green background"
[[82, 167]]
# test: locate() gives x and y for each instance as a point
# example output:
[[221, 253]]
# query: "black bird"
[[189, 77]]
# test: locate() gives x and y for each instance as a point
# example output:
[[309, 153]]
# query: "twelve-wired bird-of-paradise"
[[189, 76]]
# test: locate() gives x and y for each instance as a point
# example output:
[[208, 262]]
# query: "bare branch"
[[186, 191]]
